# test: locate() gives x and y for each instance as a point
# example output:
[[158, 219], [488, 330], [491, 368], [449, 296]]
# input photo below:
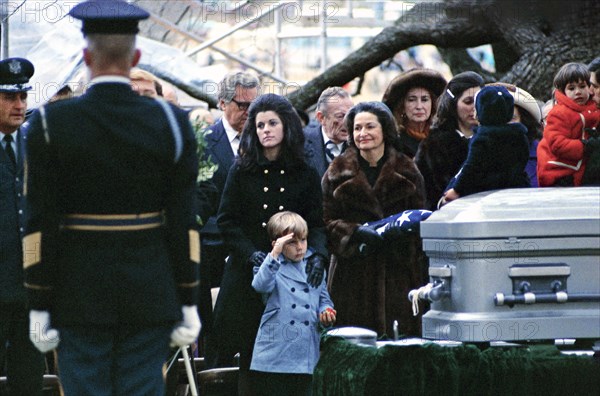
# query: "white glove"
[[188, 330], [43, 337]]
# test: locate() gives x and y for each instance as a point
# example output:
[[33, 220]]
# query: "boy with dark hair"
[[566, 143]]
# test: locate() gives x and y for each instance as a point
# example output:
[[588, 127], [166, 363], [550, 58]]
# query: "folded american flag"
[[408, 221]]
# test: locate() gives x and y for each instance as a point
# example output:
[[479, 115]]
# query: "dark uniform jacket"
[[249, 200], [372, 291], [11, 225], [111, 151]]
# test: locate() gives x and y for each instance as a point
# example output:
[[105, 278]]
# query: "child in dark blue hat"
[[498, 152]]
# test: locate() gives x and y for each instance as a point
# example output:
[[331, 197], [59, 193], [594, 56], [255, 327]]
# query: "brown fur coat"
[[372, 291]]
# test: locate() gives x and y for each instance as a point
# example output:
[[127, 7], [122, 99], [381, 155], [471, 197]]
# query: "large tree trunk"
[[541, 35]]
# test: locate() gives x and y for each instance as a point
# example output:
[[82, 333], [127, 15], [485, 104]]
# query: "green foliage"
[[206, 167]]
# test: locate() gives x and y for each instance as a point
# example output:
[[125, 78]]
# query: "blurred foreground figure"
[[23, 363], [111, 251]]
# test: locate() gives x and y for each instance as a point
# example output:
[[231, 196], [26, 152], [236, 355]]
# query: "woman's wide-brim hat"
[[401, 84], [523, 99]]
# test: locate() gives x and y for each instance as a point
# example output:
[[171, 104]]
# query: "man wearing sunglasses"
[[236, 91]]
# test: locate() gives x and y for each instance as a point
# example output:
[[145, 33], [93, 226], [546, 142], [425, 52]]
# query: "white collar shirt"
[[232, 135]]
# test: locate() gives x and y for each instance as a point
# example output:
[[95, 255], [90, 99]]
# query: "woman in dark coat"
[[269, 176], [371, 275], [442, 153], [498, 152]]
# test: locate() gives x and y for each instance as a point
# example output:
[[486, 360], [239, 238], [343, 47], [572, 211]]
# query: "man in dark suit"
[[325, 141], [24, 363], [236, 91], [111, 250]]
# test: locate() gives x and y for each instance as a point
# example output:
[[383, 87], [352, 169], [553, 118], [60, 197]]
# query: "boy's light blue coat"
[[288, 337]]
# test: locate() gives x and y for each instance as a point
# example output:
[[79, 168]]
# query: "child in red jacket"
[[565, 143]]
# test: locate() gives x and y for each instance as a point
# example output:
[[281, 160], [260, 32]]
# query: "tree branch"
[[426, 23]]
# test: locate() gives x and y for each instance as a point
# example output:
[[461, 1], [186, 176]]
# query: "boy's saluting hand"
[[279, 244]]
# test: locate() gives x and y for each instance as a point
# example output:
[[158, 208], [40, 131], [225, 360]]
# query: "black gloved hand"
[[393, 233], [368, 239], [590, 145], [315, 269], [257, 258]]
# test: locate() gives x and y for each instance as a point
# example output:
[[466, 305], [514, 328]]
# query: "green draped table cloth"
[[345, 368]]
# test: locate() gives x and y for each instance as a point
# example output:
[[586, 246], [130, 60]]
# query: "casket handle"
[[538, 298], [433, 291]]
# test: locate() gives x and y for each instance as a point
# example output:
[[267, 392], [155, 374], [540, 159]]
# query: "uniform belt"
[[113, 222]]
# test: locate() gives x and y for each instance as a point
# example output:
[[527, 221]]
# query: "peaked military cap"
[[15, 74], [108, 17]]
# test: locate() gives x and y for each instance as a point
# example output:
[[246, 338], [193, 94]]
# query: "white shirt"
[[110, 79], [337, 149], [463, 135], [232, 135]]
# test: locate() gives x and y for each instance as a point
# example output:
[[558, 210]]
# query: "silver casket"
[[517, 264]]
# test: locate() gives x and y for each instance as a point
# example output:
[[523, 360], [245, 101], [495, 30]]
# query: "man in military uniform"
[[24, 363], [111, 252]]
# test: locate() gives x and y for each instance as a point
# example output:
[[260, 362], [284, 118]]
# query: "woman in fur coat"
[[371, 275]]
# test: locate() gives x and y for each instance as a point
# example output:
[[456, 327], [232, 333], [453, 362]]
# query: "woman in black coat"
[[498, 152], [442, 153], [269, 176]]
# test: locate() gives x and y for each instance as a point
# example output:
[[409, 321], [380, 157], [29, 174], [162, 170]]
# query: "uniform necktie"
[[8, 139], [331, 150]]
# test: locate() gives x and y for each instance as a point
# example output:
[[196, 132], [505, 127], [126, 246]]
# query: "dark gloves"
[[405, 223], [257, 258], [315, 269], [590, 145], [368, 239], [393, 233]]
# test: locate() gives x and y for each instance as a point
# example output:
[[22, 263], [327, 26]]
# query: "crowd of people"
[[302, 225]]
